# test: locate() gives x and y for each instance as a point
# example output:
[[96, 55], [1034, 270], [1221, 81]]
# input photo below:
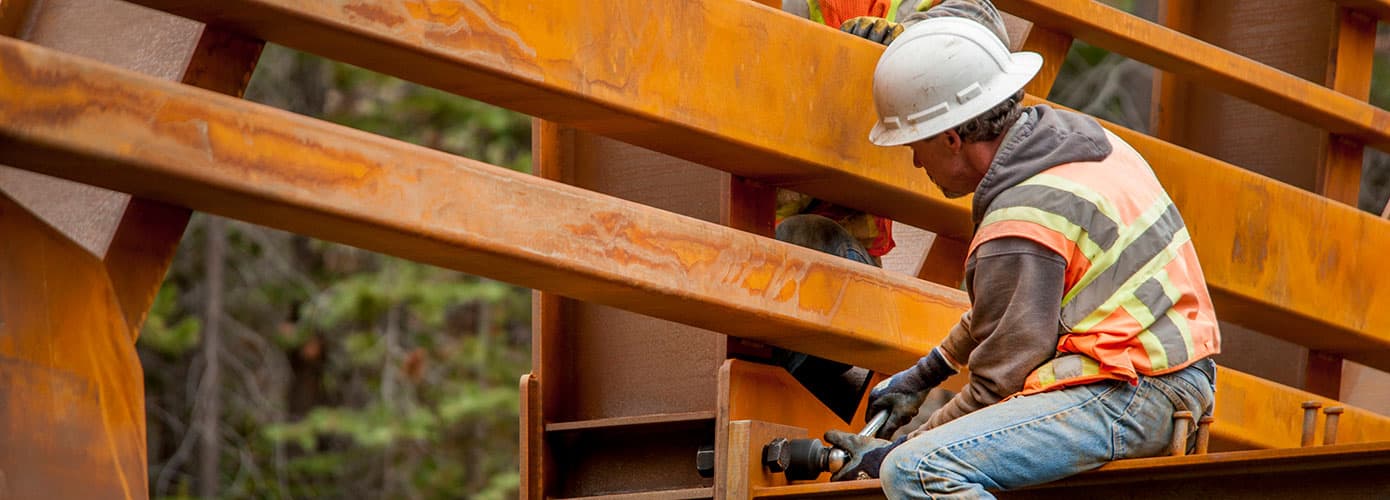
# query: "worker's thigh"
[[1039, 438]]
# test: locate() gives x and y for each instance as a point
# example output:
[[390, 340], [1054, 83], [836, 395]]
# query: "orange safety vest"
[[833, 13], [1135, 300]]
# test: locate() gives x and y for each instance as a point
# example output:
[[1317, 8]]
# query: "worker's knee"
[[899, 466], [821, 233], [922, 464]]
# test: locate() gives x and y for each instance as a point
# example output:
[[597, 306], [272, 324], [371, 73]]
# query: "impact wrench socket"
[[803, 459]]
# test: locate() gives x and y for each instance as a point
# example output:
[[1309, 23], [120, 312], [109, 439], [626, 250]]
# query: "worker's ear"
[[953, 140]]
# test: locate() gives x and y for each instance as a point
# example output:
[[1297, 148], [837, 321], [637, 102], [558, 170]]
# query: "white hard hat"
[[940, 73]]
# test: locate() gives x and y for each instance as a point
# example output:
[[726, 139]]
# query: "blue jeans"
[[822, 233], [1044, 437]]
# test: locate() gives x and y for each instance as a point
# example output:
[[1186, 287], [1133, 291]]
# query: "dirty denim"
[[822, 233], [1034, 439]]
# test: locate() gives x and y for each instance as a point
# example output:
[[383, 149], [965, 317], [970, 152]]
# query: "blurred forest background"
[[279, 366]]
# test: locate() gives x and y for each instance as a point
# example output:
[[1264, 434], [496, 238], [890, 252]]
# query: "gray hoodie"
[[1015, 284]]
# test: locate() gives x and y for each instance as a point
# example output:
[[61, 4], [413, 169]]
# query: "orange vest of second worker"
[[833, 13], [1135, 300]]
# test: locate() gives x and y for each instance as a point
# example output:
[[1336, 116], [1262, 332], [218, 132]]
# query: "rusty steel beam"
[[1343, 471], [1240, 76], [766, 84], [64, 116], [745, 94]]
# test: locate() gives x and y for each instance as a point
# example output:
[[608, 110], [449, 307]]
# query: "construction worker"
[[1090, 321], [862, 237]]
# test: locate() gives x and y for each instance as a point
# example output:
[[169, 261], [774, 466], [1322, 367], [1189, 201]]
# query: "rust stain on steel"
[[335, 183], [684, 270], [70, 368], [375, 13]]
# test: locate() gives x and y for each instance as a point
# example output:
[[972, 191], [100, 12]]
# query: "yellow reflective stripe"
[[1089, 366], [814, 6], [1073, 232], [893, 10], [1158, 359], [1126, 291], [1171, 290], [925, 5], [1081, 191], [1046, 375], [1103, 262]]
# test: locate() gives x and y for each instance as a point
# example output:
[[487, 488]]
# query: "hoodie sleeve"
[[1016, 288], [980, 11]]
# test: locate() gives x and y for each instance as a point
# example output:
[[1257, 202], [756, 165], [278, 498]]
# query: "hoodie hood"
[[1042, 138]]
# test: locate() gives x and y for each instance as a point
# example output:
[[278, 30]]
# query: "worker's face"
[[943, 158]]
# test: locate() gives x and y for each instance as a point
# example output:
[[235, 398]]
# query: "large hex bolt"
[[704, 461], [1182, 421], [776, 455], [1310, 421], [1329, 432], [1204, 433]]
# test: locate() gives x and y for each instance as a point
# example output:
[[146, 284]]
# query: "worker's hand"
[[902, 394], [865, 454], [874, 29]]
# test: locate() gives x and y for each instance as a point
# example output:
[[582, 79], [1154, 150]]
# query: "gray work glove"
[[902, 394], [865, 454], [873, 29]]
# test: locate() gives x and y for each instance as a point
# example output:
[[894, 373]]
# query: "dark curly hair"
[[993, 123]]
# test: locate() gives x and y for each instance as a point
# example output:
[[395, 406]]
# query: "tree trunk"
[[211, 394]]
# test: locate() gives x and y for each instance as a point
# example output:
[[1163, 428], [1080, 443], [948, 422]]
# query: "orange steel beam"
[[730, 84], [769, 85], [1207, 64], [64, 116]]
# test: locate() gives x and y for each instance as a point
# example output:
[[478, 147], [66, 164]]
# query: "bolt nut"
[[704, 461], [776, 455]]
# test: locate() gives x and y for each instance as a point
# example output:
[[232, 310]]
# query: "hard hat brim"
[[1025, 66]]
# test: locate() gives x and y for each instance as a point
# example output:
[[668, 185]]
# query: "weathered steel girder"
[[767, 96], [1170, 50], [68, 117]]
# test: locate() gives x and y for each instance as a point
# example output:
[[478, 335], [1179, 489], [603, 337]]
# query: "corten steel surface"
[[80, 266], [72, 409], [730, 84], [601, 367], [613, 64], [1208, 65], [94, 124], [225, 156], [1342, 471], [783, 129]]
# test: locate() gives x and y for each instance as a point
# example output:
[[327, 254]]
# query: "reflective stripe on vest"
[[1124, 312], [844, 10]]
